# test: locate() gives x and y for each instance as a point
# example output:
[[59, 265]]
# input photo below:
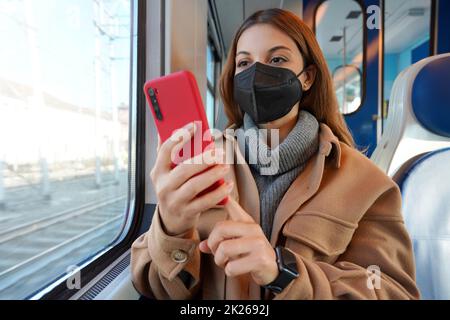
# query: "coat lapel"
[[307, 183], [245, 183]]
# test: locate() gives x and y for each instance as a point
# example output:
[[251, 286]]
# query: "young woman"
[[314, 220]]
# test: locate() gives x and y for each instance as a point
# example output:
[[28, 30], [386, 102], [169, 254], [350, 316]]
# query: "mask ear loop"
[[298, 75], [301, 72]]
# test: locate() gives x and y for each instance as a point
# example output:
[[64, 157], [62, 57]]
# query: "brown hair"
[[320, 100]]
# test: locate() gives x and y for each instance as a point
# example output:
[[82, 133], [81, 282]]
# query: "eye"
[[278, 60], [242, 64]]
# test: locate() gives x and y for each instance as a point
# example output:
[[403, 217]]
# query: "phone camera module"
[[155, 104]]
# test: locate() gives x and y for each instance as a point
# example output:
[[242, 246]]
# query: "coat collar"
[[300, 191]]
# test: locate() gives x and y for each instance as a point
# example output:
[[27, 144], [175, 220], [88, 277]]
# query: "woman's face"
[[266, 44]]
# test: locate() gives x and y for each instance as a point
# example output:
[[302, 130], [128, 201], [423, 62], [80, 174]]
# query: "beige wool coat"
[[341, 217]]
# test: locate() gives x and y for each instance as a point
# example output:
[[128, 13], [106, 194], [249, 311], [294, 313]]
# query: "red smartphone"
[[175, 101]]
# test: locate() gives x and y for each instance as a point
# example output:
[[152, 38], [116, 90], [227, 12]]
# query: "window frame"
[[95, 264], [212, 87], [364, 49], [432, 50]]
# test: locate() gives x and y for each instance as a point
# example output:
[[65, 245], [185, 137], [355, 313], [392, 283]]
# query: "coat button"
[[179, 256]]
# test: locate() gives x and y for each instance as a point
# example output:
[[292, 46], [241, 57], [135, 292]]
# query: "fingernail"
[[203, 246], [230, 186]]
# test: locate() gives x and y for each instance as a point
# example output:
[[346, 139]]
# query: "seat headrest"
[[431, 96]]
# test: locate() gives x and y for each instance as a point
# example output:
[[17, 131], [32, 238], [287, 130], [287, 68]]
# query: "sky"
[[66, 49]]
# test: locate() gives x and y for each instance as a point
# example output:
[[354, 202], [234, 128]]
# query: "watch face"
[[287, 265], [288, 261]]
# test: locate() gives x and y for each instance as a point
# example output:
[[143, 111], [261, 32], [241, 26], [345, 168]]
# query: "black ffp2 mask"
[[267, 93]]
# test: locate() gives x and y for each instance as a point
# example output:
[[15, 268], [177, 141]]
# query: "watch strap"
[[287, 267]]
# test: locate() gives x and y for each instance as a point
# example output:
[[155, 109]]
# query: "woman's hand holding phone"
[[178, 188]]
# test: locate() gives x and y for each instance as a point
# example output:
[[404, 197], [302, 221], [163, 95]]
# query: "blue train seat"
[[415, 151]]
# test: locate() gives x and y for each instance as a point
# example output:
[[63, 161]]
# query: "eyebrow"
[[279, 48], [270, 50], [243, 52]]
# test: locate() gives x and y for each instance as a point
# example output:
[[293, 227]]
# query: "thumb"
[[159, 144]]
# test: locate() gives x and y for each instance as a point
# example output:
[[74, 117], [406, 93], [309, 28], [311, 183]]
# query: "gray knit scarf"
[[275, 169]]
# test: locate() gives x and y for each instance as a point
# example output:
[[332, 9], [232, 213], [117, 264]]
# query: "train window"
[[64, 136], [339, 31], [406, 39], [210, 106], [347, 81], [212, 74]]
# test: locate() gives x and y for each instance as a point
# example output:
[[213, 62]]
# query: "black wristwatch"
[[287, 267]]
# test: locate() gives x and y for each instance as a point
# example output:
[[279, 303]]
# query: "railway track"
[[19, 197], [40, 250], [30, 227], [27, 205]]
